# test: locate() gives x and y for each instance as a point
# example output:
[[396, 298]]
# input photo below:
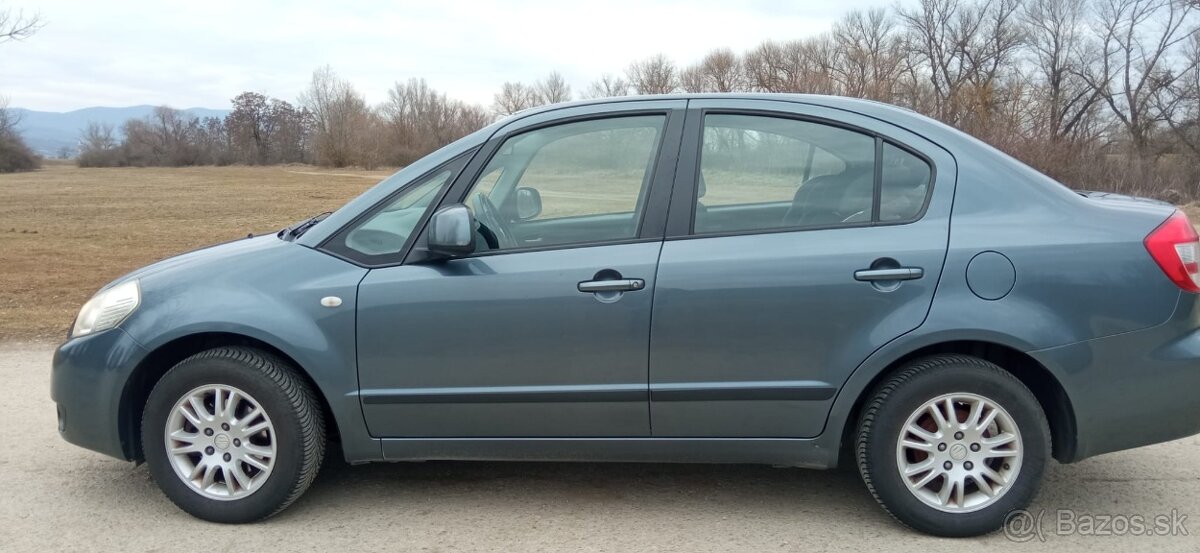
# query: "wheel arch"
[[162, 358], [1050, 394]]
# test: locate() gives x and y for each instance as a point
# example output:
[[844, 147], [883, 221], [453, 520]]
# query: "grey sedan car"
[[784, 279]]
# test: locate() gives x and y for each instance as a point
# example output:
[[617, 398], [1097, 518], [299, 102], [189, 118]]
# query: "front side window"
[[581, 182], [764, 173]]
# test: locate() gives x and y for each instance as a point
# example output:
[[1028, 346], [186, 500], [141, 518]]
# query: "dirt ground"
[[59, 497]]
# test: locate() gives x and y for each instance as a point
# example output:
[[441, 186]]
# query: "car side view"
[[791, 280]]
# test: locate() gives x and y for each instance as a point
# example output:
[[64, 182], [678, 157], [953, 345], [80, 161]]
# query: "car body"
[[745, 325]]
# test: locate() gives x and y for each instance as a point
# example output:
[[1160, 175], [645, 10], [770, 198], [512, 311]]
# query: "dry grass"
[[64, 231]]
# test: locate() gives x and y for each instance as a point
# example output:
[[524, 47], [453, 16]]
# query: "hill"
[[47, 132]]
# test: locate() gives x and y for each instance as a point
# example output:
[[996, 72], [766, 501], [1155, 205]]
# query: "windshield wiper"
[[297, 230]]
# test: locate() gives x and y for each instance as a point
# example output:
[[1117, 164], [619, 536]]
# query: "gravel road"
[[58, 497]]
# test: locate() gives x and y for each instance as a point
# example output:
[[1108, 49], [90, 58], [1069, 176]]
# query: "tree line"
[[15, 155], [1100, 94]]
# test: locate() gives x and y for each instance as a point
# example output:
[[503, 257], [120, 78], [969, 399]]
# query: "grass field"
[[64, 231]]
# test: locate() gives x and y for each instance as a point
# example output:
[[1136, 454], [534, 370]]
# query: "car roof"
[[840, 102]]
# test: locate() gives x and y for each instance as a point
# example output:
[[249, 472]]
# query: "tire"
[[256, 470], [909, 398]]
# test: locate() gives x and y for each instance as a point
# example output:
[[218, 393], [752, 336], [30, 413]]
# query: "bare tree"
[[719, 71], [963, 50], [514, 97], [15, 155], [868, 58], [1180, 109], [341, 119], [794, 66], [1065, 100], [1138, 41], [607, 86], [654, 75], [15, 25], [98, 147], [553, 89], [419, 120]]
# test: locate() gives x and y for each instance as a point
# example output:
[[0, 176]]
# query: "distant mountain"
[[47, 131]]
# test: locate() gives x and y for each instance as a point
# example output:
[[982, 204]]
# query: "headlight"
[[107, 309]]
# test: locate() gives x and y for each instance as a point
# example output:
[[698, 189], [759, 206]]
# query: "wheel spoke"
[[254, 462], [983, 486], [210, 476], [919, 432], [917, 445], [939, 418], [918, 468], [994, 476], [987, 420], [199, 409], [925, 480], [197, 470], [191, 417], [240, 476], [255, 429], [973, 417], [947, 490], [256, 450], [231, 404], [186, 448]]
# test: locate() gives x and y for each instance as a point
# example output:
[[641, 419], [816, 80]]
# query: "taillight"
[[1175, 246]]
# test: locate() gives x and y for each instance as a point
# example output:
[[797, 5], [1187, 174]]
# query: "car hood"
[[206, 255]]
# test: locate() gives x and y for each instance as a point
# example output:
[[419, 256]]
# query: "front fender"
[[273, 296]]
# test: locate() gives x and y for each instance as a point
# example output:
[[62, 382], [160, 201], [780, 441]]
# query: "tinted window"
[[761, 172], [590, 176], [904, 184]]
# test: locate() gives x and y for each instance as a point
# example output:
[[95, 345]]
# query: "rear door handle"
[[617, 285], [900, 273]]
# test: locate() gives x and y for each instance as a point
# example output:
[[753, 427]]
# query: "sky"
[[201, 53]]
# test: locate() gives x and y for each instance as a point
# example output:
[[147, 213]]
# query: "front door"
[[544, 331], [806, 244]]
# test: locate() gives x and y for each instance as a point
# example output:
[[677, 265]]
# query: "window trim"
[[693, 140], [663, 156]]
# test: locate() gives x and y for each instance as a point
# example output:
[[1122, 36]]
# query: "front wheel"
[[951, 444], [233, 435]]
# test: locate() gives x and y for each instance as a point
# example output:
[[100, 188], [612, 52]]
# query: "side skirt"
[[793, 452]]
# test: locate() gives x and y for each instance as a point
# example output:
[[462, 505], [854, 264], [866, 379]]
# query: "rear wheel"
[[232, 435], [951, 444]]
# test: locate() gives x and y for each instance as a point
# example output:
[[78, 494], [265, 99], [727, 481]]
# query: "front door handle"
[[616, 285], [899, 273]]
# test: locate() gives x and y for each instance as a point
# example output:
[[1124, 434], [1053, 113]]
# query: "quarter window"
[[904, 183], [383, 234]]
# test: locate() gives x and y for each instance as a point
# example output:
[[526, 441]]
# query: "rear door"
[[800, 240]]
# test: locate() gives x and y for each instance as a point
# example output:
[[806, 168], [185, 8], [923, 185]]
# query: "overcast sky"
[[202, 53]]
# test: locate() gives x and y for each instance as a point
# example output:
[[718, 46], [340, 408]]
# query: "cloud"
[[203, 53]]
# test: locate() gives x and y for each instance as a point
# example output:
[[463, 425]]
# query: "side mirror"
[[529, 203], [451, 231]]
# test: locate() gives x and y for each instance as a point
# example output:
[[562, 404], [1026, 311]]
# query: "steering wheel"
[[486, 213]]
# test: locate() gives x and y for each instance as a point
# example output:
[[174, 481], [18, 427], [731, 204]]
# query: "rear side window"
[[904, 184], [765, 173]]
